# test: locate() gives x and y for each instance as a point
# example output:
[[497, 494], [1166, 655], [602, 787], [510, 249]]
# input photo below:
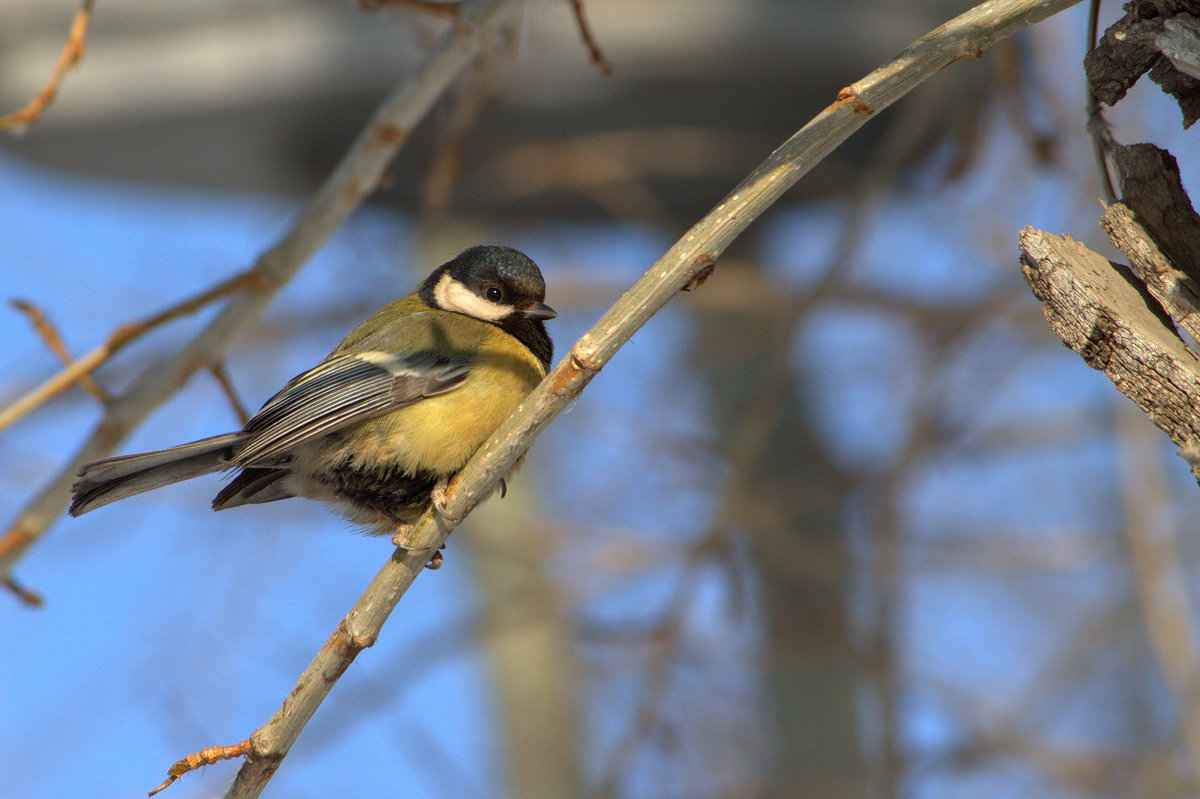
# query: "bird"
[[379, 426]]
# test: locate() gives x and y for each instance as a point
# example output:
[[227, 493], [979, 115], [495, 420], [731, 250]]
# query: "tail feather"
[[116, 478], [253, 486]]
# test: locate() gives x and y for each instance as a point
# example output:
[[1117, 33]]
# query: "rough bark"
[[1161, 37], [1101, 312], [1120, 319]]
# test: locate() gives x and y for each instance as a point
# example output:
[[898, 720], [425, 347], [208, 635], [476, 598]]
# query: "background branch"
[[1159, 575], [72, 51], [79, 370], [53, 340]]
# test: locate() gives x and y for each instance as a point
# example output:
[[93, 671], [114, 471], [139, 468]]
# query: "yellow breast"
[[440, 433]]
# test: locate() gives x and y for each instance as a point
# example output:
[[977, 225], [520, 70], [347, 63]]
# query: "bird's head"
[[489, 282]]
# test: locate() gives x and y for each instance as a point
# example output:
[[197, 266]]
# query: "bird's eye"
[[494, 293]]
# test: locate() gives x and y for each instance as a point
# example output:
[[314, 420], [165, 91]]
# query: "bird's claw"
[[402, 538], [438, 495]]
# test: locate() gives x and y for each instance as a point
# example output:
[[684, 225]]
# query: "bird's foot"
[[438, 495], [402, 538]]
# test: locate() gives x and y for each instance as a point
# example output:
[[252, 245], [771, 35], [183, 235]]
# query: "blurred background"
[[846, 521]]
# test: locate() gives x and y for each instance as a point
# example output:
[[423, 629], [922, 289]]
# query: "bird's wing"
[[342, 390]]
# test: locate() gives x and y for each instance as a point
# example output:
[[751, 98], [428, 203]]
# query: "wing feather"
[[340, 391]]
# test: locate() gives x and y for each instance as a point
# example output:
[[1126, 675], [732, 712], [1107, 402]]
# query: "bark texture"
[[1121, 320], [1161, 37]]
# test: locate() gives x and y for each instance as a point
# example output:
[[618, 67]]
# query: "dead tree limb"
[[1121, 320]]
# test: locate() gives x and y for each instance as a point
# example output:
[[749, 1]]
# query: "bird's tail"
[[108, 480]]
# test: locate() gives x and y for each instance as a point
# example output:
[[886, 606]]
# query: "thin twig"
[[355, 177], [666, 634], [31, 598], [585, 31], [968, 35], [72, 51], [1097, 125], [205, 757], [218, 371], [446, 161], [45, 328], [122, 336]]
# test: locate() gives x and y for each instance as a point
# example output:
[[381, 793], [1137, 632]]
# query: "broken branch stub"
[[1101, 311]]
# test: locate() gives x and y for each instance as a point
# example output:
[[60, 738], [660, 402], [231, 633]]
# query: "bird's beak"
[[540, 310]]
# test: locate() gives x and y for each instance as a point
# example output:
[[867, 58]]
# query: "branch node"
[[17, 538], [707, 264], [388, 135], [577, 365], [125, 333], [351, 639], [849, 96], [583, 364]]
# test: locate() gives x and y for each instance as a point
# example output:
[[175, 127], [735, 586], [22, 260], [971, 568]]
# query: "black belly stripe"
[[392, 491]]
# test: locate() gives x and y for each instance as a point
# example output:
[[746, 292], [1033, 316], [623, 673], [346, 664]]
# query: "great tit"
[[379, 426]]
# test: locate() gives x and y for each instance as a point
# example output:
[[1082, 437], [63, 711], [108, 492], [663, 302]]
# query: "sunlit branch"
[[72, 51], [78, 370], [54, 341]]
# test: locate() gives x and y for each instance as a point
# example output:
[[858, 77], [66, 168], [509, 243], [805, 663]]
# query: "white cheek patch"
[[454, 296]]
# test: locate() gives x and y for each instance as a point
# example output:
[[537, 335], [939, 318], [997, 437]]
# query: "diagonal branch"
[[354, 179], [79, 370], [693, 256], [589, 41], [1160, 575], [53, 340]]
